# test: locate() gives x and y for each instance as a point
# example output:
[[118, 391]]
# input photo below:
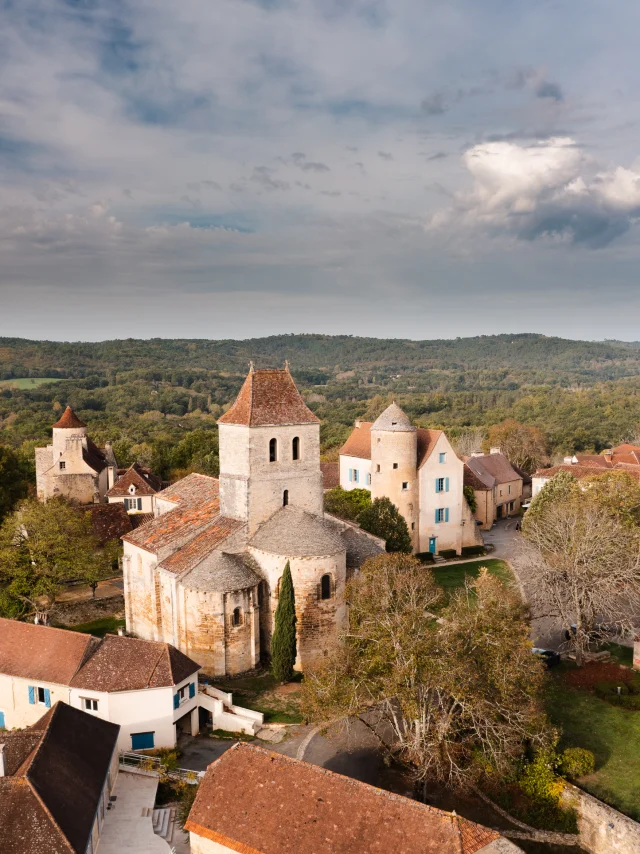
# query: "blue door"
[[432, 545], [1, 720], [141, 740]]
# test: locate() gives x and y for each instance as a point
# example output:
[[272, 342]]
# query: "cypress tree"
[[283, 643]]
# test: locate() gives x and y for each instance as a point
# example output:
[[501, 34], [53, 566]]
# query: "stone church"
[[204, 574]]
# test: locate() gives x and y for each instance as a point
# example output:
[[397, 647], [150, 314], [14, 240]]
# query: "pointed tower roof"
[[393, 419], [69, 419], [269, 398]]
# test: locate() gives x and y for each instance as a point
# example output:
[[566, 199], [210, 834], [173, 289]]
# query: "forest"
[[158, 400]]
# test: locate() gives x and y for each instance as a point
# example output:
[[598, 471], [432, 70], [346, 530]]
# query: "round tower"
[[67, 427], [394, 464]]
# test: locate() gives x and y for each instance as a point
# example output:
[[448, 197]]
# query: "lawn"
[[28, 382], [612, 734], [97, 628], [450, 577]]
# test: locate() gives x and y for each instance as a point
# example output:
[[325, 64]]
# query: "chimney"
[[477, 453], [358, 422], [121, 631], [3, 770], [495, 450]]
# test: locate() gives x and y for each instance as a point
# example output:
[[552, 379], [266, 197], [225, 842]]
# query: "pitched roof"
[[48, 804], [480, 481], [493, 465], [186, 520], [626, 448], [426, 443], [296, 533], [580, 471], [145, 483], [330, 475], [223, 572], [67, 420], [269, 398], [190, 555], [359, 442], [193, 488], [394, 420], [259, 802], [131, 664], [42, 653], [110, 521], [94, 457]]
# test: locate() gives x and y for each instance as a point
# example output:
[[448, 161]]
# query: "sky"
[[393, 168]]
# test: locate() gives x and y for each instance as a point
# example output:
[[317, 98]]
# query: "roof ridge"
[[163, 651]]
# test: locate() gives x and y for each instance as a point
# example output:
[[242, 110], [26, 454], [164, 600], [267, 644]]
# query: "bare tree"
[[583, 567], [469, 441], [459, 693]]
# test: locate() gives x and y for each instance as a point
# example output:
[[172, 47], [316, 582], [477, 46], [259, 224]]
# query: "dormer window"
[[273, 450], [132, 489]]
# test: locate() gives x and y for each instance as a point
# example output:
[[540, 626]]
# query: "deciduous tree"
[[347, 503], [460, 693], [383, 519], [523, 444]]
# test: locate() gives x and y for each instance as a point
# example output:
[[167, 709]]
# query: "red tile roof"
[[190, 489], [164, 530], [330, 475], [130, 664], [495, 466], [359, 442], [203, 544], [68, 419], [110, 521], [257, 802], [269, 398], [426, 443], [580, 471], [42, 653], [144, 482], [626, 448]]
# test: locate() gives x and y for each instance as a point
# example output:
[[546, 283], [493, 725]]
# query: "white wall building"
[[418, 470]]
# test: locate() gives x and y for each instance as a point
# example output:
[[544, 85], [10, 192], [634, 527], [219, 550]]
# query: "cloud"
[[547, 89], [385, 155], [265, 176], [435, 105], [547, 189]]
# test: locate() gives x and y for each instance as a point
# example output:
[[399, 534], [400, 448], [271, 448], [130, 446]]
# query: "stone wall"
[[394, 463], [603, 830]]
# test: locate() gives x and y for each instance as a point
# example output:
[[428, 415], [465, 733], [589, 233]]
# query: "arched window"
[[325, 587], [273, 450], [236, 620], [295, 448], [285, 498]]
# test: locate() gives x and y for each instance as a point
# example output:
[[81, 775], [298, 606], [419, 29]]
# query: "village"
[[102, 736]]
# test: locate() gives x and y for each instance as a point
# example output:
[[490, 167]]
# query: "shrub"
[[470, 551], [425, 557], [470, 496], [383, 519], [624, 694], [347, 503], [577, 762], [448, 553]]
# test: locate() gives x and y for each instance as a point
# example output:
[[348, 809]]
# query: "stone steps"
[[162, 820]]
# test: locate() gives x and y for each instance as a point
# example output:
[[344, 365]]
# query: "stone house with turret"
[[72, 467], [204, 574], [418, 470]]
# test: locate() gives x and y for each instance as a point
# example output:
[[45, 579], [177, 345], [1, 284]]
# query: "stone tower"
[[394, 465], [269, 451], [68, 428]]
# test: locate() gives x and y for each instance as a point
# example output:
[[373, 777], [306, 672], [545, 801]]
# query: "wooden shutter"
[[192, 689], [176, 700], [47, 698], [446, 484], [32, 695], [446, 514]]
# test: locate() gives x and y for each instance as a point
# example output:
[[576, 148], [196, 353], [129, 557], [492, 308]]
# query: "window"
[[63, 465], [183, 693], [442, 514], [509, 489], [368, 480], [395, 465], [285, 498], [89, 705], [142, 740], [378, 467], [443, 457], [325, 587], [236, 620], [273, 450], [413, 526], [405, 484], [295, 448], [42, 696], [439, 484], [354, 475], [133, 504]]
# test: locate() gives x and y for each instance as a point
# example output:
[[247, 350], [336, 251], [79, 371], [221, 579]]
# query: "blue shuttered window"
[[142, 740], [32, 695], [2, 724], [192, 689], [442, 514], [176, 701], [47, 698], [446, 514], [446, 484], [443, 457], [351, 474]]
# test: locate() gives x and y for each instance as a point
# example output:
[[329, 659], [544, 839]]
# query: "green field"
[[28, 382], [450, 577], [612, 734]]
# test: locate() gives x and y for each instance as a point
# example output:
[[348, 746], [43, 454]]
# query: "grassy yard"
[[262, 693], [28, 382], [97, 628], [613, 734], [450, 577]]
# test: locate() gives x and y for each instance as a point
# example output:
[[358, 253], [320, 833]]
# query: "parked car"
[[550, 657]]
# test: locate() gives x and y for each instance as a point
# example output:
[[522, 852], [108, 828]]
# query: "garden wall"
[[603, 830]]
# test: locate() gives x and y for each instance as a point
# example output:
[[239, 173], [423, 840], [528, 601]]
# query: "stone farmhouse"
[[204, 574], [56, 777], [624, 457], [239, 808], [72, 466], [418, 470], [497, 486], [135, 490]]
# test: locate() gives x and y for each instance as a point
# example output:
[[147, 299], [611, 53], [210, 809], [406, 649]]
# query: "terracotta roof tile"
[[42, 653], [252, 800], [165, 530], [68, 419], [110, 521], [330, 475], [145, 483], [192, 488], [626, 448], [130, 664], [195, 551], [269, 398], [475, 481], [426, 443], [580, 471], [359, 442], [493, 465]]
